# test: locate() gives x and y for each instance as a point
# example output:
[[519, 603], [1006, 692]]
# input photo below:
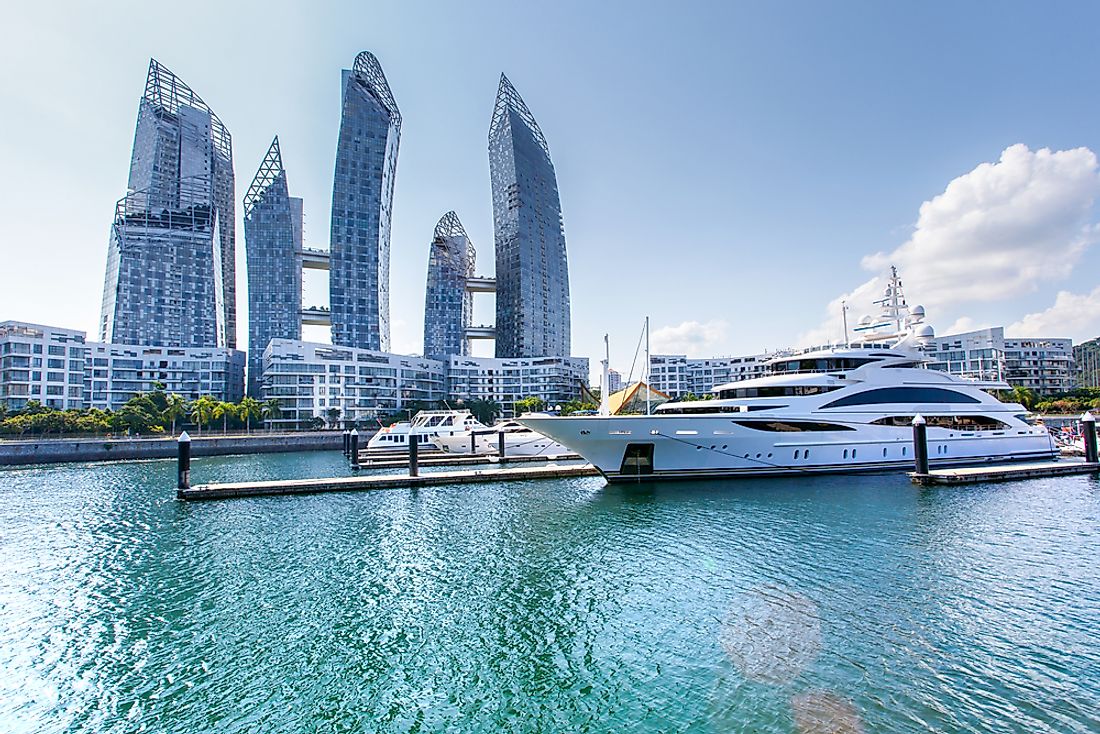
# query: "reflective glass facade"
[[273, 243], [532, 270], [171, 257], [163, 270], [362, 198], [448, 307]]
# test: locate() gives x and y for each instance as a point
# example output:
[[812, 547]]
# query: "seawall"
[[52, 451]]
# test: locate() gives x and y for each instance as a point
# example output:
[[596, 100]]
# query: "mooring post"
[[473, 443], [183, 461], [920, 443], [1088, 428], [355, 449], [347, 441], [414, 464], [500, 443]]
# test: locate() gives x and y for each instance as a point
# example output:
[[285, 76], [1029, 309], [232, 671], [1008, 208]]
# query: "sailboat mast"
[[647, 365]]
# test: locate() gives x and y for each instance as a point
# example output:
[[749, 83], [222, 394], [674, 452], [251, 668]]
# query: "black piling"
[[920, 444], [473, 444], [183, 461], [347, 441], [355, 449], [414, 465], [500, 443], [1088, 428]]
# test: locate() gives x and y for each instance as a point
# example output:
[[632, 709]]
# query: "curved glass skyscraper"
[[362, 198], [448, 307], [272, 235], [171, 258], [532, 270]]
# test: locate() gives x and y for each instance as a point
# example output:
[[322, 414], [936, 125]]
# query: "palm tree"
[[175, 406], [248, 409], [223, 410], [1024, 396], [271, 409], [202, 410]]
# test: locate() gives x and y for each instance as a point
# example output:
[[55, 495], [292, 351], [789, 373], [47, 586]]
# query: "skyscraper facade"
[[273, 243], [362, 199], [171, 257], [532, 270], [448, 306]]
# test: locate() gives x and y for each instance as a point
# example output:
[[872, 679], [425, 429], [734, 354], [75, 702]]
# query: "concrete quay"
[[53, 451]]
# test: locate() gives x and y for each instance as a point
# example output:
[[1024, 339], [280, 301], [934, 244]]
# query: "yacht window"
[[821, 364], [902, 395], [668, 409], [900, 365], [953, 422], [792, 426], [775, 391]]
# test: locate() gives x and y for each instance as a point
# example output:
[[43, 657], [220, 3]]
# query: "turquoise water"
[[830, 604]]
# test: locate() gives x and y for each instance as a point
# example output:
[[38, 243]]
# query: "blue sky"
[[729, 169]]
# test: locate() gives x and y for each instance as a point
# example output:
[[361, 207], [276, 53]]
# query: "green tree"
[[1024, 396], [272, 410], [530, 404], [248, 409], [202, 411], [33, 407], [485, 411], [333, 417], [139, 415], [574, 406], [224, 411], [174, 408]]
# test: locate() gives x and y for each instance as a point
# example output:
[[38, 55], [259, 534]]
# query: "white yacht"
[[427, 424], [519, 440], [841, 409]]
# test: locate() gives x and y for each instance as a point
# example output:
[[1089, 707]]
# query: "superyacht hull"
[[633, 448]]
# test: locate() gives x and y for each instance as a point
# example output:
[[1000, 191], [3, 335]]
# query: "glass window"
[[793, 426], [886, 395]]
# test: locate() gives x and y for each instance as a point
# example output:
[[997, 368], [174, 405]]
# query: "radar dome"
[[918, 311], [926, 332], [865, 320]]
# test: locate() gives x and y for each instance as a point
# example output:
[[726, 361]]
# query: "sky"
[[733, 170]]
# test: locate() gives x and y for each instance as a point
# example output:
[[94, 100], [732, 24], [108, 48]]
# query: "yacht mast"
[[844, 312]]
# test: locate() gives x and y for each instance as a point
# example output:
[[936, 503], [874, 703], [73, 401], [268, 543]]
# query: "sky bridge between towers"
[[317, 259]]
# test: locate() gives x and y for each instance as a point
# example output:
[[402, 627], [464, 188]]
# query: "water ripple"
[[833, 604]]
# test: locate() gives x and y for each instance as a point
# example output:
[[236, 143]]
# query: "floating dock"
[[1005, 472], [393, 481]]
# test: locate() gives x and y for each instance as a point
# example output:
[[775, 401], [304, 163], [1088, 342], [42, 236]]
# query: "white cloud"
[[1003, 229], [690, 337], [1073, 315], [962, 324]]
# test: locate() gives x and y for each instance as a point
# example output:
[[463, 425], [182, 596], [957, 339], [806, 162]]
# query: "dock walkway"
[[391, 481], [1004, 473]]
